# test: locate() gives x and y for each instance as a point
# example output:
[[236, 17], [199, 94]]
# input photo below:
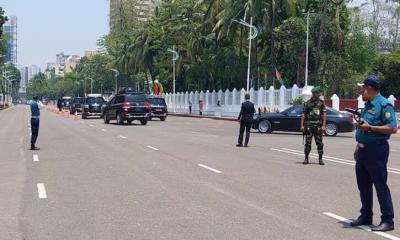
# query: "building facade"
[[10, 28], [131, 11]]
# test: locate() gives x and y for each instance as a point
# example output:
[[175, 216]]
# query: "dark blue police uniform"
[[35, 119], [372, 158]]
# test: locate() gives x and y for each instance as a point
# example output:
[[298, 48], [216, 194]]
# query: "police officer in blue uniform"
[[378, 122], [35, 106]]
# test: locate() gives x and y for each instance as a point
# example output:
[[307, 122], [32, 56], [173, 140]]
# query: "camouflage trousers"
[[310, 131]]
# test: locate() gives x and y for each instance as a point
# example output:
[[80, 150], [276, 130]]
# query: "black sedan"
[[289, 120]]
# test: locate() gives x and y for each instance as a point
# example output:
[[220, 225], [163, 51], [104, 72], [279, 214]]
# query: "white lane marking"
[[41, 190], [91, 125], [366, 228], [155, 149], [123, 137], [35, 158], [344, 161], [104, 130], [209, 168]]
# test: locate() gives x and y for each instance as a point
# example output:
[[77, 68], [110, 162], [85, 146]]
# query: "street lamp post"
[[8, 83], [308, 30], [253, 33], [175, 57], [10, 87], [91, 84], [116, 72]]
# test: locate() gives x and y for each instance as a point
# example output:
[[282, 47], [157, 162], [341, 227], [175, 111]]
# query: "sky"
[[48, 27]]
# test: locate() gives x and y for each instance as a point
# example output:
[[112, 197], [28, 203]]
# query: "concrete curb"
[[203, 116]]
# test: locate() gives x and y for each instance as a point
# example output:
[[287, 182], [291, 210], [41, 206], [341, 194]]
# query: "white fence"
[[230, 101]]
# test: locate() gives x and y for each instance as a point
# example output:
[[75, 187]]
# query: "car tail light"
[[147, 105], [126, 105]]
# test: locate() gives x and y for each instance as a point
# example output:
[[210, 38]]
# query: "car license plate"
[[158, 110]]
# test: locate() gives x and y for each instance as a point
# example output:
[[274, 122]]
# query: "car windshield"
[[135, 98], [79, 100], [157, 101], [92, 100], [294, 110]]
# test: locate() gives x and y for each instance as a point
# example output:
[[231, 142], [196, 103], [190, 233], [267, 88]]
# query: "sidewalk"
[[202, 116]]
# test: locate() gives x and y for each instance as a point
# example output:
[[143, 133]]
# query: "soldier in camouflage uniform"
[[313, 122]]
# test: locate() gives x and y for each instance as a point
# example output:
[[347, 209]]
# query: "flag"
[[158, 88], [278, 75]]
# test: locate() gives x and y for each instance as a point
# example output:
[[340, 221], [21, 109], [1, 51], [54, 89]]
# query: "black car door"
[[291, 119], [109, 108]]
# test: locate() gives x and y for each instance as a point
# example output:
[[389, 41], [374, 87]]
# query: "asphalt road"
[[179, 179]]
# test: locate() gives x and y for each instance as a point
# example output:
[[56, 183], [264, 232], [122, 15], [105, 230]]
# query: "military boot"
[[321, 162], [306, 160]]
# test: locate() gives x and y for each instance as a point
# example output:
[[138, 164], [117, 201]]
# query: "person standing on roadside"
[[246, 120], [313, 123], [35, 106], [201, 107], [190, 107], [378, 122]]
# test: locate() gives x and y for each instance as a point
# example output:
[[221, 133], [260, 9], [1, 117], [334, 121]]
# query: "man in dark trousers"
[[372, 154], [35, 105], [246, 120]]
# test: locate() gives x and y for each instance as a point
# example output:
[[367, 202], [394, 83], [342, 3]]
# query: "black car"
[[127, 105], [66, 102], [76, 105], [92, 106], [159, 108], [290, 120]]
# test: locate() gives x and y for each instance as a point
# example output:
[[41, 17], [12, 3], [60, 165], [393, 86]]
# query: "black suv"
[[76, 105], [93, 106], [159, 108], [128, 106]]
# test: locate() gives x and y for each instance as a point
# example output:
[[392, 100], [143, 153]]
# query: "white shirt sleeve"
[[40, 104]]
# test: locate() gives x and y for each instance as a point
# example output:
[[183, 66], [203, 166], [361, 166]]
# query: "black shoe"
[[306, 161], [361, 221], [33, 147], [321, 162], [239, 145], [383, 227], [246, 145]]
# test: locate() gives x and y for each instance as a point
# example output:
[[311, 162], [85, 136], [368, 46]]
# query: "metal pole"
[[173, 69], [116, 83], [249, 60], [308, 28], [174, 80]]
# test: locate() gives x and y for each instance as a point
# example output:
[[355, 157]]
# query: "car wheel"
[[143, 121], [84, 116], [264, 126], [163, 118], [106, 120], [71, 112], [130, 121], [331, 129], [150, 118], [120, 120]]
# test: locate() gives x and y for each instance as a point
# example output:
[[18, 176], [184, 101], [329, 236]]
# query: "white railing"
[[230, 101]]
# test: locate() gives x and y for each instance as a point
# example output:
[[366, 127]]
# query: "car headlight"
[[86, 106]]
